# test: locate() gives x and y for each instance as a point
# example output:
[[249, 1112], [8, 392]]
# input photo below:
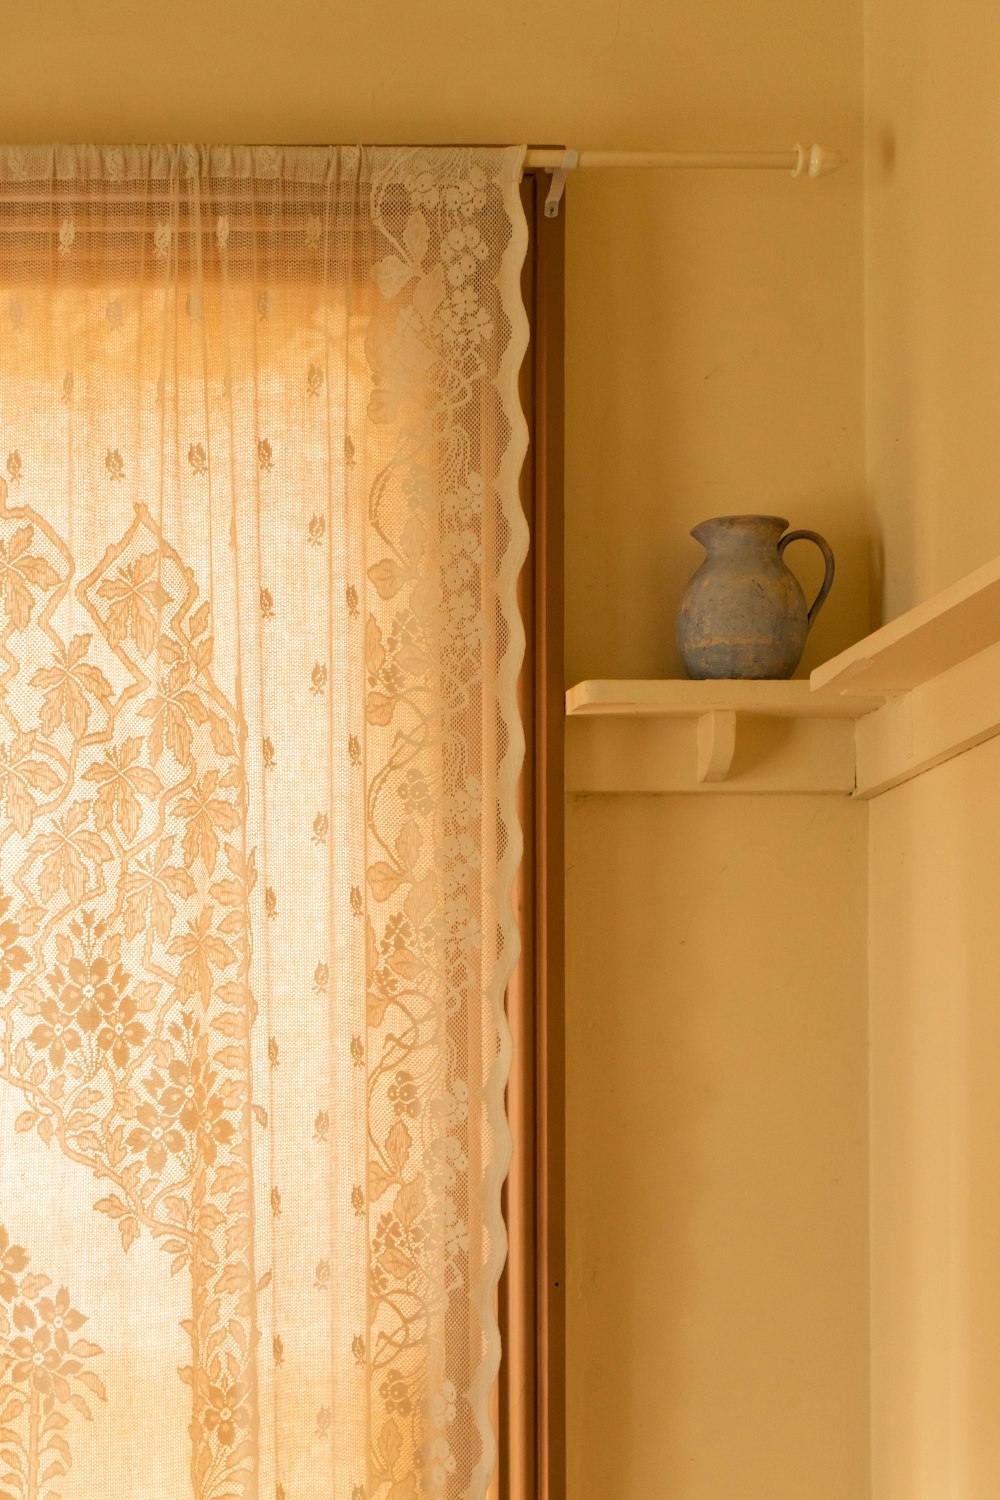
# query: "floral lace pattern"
[[127, 1035], [46, 1383], [258, 749]]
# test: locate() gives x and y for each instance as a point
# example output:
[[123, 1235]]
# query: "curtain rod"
[[558, 161], [801, 161]]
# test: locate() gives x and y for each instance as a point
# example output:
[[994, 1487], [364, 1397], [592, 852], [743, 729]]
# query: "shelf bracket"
[[716, 744]]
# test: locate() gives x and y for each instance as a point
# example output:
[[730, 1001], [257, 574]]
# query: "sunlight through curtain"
[[259, 541]]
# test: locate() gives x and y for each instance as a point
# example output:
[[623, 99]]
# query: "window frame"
[[532, 1395]]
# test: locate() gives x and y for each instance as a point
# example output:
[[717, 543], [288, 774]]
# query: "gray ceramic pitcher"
[[743, 614]]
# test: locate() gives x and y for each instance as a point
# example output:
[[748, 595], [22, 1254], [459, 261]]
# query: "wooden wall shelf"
[[679, 736], [669, 698], [908, 697]]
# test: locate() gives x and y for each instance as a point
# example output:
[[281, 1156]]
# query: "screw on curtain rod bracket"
[[557, 186]]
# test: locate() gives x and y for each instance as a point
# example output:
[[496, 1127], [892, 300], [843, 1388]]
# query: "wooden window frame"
[[532, 1396]]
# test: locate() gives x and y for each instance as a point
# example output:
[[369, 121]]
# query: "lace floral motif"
[[127, 1034], [46, 1382]]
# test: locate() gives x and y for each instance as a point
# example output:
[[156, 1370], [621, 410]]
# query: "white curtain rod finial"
[[817, 161]]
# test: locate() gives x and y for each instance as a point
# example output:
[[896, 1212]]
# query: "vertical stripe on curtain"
[[259, 644]]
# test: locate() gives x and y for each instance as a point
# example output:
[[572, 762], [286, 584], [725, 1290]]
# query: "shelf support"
[[716, 744]]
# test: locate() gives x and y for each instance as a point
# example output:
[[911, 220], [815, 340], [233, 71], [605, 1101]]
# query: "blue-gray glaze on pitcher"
[[743, 614]]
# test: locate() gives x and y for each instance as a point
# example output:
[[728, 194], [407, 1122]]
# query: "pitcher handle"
[[824, 547]]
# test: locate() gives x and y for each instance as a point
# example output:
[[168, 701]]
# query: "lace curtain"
[[259, 538]]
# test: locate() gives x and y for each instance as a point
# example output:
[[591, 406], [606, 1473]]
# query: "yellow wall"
[[933, 322], [935, 1128], [716, 1223], [717, 1322], [933, 335], [716, 1064]]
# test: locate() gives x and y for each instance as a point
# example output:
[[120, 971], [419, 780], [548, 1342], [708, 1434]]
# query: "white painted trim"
[[955, 624], [933, 722], [668, 698]]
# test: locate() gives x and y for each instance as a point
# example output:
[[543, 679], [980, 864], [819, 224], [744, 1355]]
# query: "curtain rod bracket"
[[570, 161]]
